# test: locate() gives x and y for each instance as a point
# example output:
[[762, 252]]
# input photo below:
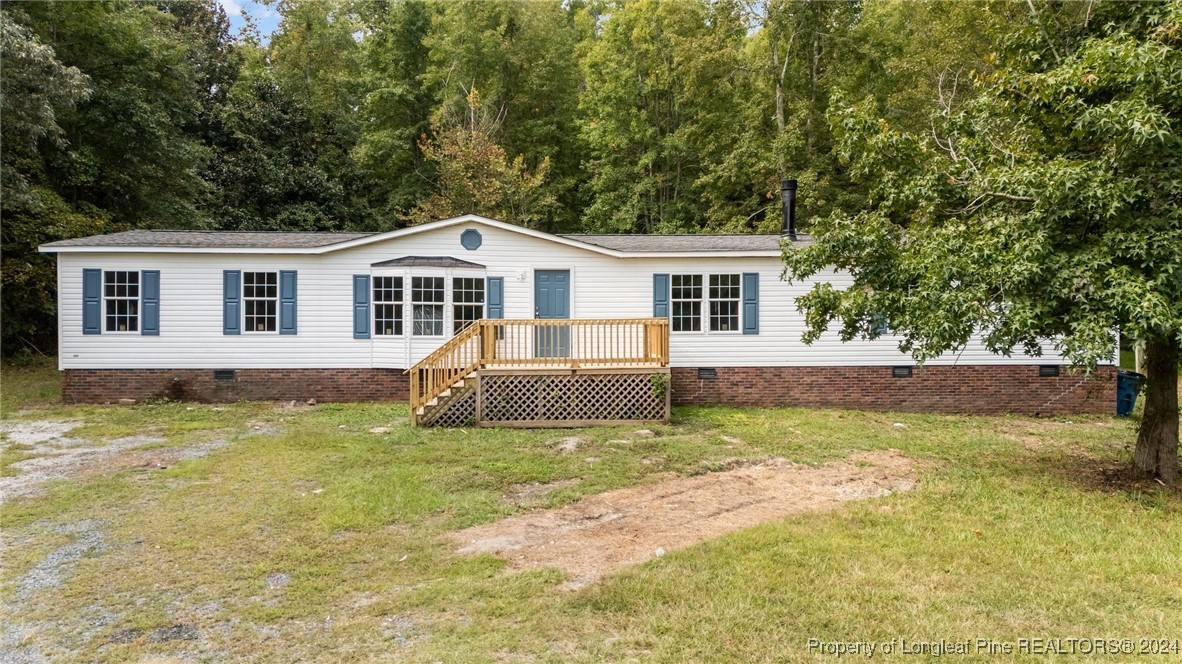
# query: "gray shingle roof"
[[426, 261], [686, 243], [212, 239], [312, 240]]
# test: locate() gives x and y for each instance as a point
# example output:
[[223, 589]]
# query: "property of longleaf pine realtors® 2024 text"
[[983, 646]]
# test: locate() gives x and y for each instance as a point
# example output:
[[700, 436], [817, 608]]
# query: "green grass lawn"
[[309, 538]]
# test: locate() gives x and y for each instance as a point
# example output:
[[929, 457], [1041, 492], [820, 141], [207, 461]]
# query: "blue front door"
[[552, 300]]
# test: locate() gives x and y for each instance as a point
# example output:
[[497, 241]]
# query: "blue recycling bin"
[[1128, 385]]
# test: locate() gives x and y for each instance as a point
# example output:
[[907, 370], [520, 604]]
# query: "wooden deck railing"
[[539, 344]]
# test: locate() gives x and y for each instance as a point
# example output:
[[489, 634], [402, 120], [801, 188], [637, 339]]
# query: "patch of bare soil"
[[601, 533], [151, 459], [54, 456], [1100, 473], [1035, 436], [535, 493], [1077, 463]]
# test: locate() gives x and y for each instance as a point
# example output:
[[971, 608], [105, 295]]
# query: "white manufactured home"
[[429, 313]]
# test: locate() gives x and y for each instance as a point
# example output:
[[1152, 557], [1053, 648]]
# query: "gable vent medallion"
[[471, 240]]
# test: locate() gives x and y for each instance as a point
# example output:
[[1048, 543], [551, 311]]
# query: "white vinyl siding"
[[601, 287]]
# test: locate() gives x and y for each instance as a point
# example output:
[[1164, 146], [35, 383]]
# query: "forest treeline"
[[656, 117]]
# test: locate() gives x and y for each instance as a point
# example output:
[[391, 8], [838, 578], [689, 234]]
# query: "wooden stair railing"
[[536, 343], [444, 367]]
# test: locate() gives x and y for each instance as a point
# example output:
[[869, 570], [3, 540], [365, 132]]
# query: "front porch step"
[[453, 407], [443, 396]]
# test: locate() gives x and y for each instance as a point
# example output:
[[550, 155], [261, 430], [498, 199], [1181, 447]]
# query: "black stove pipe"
[[788, 209]]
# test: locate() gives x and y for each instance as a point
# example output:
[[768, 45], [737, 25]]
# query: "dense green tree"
[[793, 59], [396, 105], [269, 173], [34, 88], [719, 92], [99, 103], [475, 175], [315, 59], [659, 79], [521, 56], [215, 56], [907, 54], [1049, 206], [316, 56], [145, 94]]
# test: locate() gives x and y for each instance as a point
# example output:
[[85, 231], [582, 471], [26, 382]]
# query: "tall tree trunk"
[[814, 73], [779, 72], [1157, 442]]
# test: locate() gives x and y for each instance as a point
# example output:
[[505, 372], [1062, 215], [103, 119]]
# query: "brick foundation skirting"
[[983, 389], [111, 385]]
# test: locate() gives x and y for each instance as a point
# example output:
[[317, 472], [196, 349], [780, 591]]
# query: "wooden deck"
[[537, 347]]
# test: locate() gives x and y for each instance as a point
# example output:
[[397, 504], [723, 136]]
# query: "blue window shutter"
[[232, 302], [660, 296], [287, 302], [92, 301], [361, 306], [150, 303], [750, 303], [496, 297]]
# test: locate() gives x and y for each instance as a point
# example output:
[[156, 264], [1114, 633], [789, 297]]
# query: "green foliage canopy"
[[477, 176], [1045, 207]]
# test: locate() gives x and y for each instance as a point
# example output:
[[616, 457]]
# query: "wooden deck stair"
[[453, 407], [444, 386], [444, 374]]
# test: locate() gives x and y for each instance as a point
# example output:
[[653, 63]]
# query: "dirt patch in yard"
[[601, 533], [534, 494], [34, 432], [53, 455], [150, 459]]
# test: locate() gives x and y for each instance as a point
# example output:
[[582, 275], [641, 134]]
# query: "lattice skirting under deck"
[[459, 411], [565, 399]]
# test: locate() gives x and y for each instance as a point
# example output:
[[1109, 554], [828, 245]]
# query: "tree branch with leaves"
[[1044, 212]]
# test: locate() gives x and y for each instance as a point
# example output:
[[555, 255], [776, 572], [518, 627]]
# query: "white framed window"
[[260, 301], [705, 303], [686, 302], [879, 324], [726, 295], [121, 300], [467, 296], [387, 306], [427, 299]]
